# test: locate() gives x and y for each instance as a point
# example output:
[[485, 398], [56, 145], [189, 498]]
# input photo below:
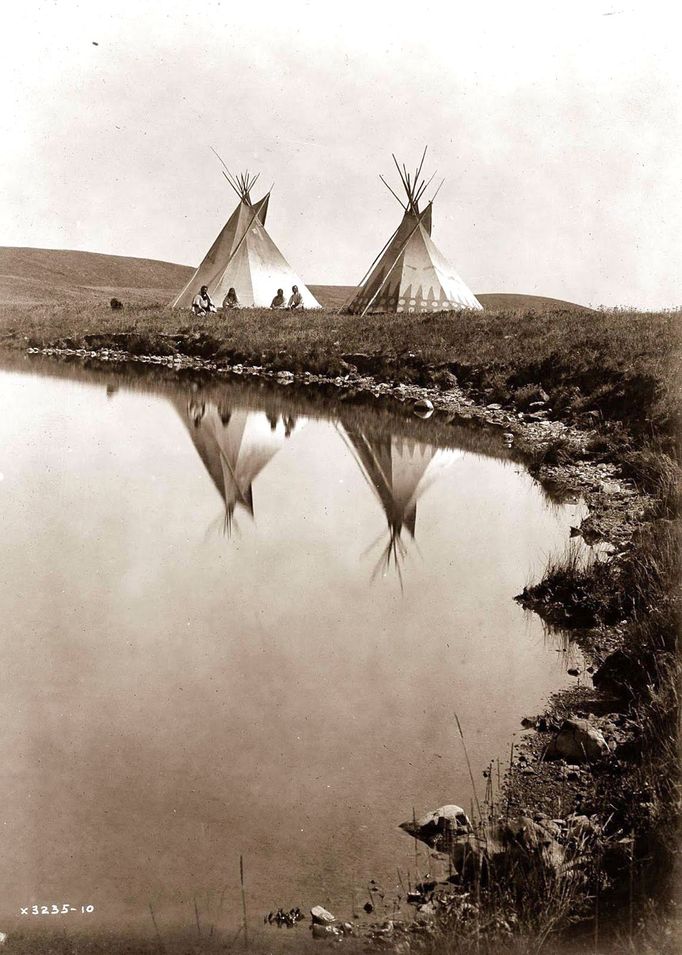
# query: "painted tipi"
[[398, 470], [410, 274], [245, 258]]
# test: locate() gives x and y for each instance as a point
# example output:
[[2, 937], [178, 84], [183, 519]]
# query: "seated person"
[[296, 300], [196, 410], [231, 300], [278, 300], [201, 303]]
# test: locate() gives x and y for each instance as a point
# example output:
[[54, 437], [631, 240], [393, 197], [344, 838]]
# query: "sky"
[[557, 128]]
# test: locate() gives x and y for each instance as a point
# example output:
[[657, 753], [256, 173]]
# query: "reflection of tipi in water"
[[235, 446], [399, 471]]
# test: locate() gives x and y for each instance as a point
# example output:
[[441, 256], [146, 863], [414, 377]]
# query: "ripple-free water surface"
[[228, 632]]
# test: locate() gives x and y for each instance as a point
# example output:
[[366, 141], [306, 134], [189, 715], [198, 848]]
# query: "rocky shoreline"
[[616, 507], [569, 771]]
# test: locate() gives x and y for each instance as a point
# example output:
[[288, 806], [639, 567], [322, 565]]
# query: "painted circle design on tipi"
[[411, 261]]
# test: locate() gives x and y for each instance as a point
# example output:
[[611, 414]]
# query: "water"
[[233, 625]]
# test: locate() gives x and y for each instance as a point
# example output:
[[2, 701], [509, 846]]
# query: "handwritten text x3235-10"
[[53, 909]]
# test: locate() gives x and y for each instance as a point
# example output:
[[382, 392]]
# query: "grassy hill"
[[38, 276], [331, 296], [509, 300], [30, 276]]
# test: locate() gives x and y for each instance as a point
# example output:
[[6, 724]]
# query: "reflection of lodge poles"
[[395, 468], [234, 446]]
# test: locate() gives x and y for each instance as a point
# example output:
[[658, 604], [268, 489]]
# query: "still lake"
[[233, 627]]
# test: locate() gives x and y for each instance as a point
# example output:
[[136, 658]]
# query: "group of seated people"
[[202, 303]]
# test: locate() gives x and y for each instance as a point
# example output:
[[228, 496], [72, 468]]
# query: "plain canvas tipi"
[[410, 274], [245, 258], [234, 445]]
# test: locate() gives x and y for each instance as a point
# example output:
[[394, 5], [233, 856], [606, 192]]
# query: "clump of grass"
[[585, 593], [525, 395], [657, 473], [566, 595]]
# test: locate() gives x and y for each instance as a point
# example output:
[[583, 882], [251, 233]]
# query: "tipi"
[[234, 446], [399, 471], [245, 258], [410, 274]]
